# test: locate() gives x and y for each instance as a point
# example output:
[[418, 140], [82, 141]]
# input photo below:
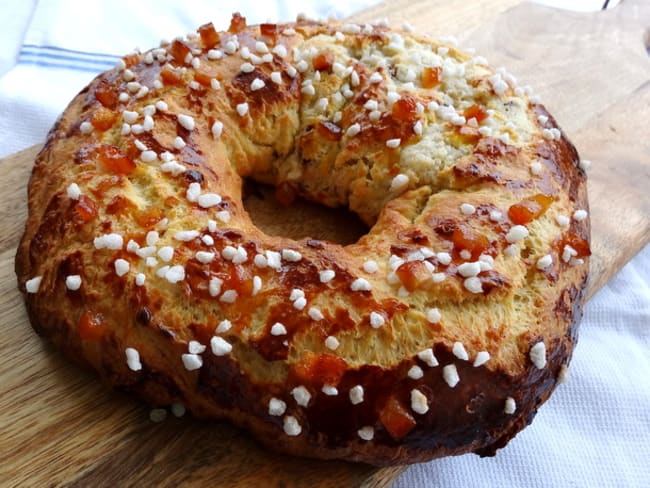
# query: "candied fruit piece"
[[119, 205], [431, 77], [170, 76], [529, 209], [405, 109], [179, 51], [209, 35], [113, 160], [322, 369], [237, 23], [103, 119], [203, 78], [131, 59], [397, 421], [466, 238], [105, 93], [475, 112], [239, 280], [149, 218], [91, 326], [269, 30], [85, 208], [578, 243], [323, 61], [413, 275]]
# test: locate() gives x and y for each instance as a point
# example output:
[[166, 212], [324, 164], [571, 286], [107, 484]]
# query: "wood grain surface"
[[61, 427]]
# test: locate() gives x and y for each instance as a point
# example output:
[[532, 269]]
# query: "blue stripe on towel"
[[56, 57], [73, 67], [34, 47]]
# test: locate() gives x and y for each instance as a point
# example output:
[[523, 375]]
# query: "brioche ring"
[[440, 332]]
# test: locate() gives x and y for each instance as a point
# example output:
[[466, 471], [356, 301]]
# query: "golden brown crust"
[[139, 260]]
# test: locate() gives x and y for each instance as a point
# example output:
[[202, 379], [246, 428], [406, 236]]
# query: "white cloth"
[[593, 432]]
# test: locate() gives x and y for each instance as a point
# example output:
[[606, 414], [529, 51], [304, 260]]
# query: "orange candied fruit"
[[112, 159], [91, 326], [269, 30], [323, 61], [465, 238], [203, 78], [179, 51], [239, 280], [396, 419], [322, 369], [475, 112], [103, 119], [405, 109], [578, 243], [413, 275], [119, 205], [529, 209], [149, 217], [209, 35], [85, 208], [106, 94], [131, 59], [431, 77], [237, 23], [170, 76], [329, 130]]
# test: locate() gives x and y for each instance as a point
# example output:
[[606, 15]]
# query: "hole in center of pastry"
[[279, 212]]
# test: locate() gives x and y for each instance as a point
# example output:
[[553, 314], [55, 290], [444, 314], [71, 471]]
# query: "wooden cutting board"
[[61, 427]]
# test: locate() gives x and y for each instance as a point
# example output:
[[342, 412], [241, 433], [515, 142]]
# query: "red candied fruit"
[[529, 209], [396, 419], [431, 77], [91, 326], [237, 23], [321, 369], [209, 35], [85, 208]]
